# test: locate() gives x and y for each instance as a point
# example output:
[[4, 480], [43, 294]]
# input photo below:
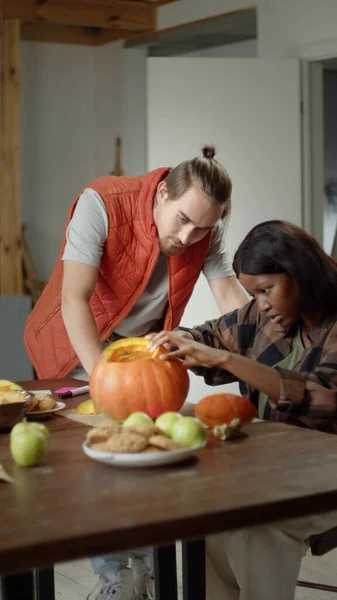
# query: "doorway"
[[319, 143], [330, 156]]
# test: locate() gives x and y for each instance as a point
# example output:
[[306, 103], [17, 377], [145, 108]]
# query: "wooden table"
[[71, 507]]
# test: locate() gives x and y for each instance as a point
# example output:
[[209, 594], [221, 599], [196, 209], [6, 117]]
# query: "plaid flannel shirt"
[[308, 395]]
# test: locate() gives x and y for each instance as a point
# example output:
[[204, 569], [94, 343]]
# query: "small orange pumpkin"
[[129, 378], [221, 408]]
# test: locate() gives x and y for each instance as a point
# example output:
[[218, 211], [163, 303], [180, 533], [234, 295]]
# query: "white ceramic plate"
[[168, 457], [41, 414]]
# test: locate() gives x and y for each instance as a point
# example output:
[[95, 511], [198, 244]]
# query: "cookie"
[[151, 450], [109, 426], [99, 447], [41, 402], [97, 435], [45, 402], [144, 429], [33, 404], [163, 442], [126, 442]]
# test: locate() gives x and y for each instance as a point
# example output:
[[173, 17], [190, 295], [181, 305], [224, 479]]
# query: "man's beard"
[[168, 249]]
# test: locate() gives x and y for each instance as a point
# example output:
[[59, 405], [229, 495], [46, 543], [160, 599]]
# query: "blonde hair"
[[205, 172]]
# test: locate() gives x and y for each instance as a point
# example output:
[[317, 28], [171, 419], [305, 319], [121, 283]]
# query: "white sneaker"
[[143, 577], [114, 586]]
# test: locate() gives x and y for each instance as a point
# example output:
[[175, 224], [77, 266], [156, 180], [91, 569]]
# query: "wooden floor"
[[75, 580]]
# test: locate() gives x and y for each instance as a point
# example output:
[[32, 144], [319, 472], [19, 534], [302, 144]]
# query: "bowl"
[[12, 413]]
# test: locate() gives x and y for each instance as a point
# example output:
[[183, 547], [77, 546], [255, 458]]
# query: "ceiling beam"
[[109, 35], [110, 14], [161, 35], [158, 3], [10, 180], [65, 34], [61, 34]]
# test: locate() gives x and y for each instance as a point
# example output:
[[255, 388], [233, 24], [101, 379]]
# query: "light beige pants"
[[262, 562]]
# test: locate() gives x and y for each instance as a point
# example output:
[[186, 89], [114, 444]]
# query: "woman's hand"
[[161, 339], [192, 354]]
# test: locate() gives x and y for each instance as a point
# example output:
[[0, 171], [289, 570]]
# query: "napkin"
[[4, 475]]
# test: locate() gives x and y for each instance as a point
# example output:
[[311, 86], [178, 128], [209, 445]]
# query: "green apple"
[[188, 431], [137, 418], [25, 426], [28, 446], [166, 421]]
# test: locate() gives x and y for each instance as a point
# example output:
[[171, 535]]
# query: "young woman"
[[282, 348]]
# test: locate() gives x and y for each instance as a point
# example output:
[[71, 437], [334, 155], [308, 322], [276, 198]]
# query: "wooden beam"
[[134, 5], [158, 3], [145, 38], [109, 35], [111, 14], [10, 178], [61, 34], [67, 34], [115, 4]]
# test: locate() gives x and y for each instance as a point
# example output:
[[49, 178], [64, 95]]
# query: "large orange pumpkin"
[[220, 409], [128, 378]]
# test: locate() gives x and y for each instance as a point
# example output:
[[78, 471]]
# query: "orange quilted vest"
[[122, 275]]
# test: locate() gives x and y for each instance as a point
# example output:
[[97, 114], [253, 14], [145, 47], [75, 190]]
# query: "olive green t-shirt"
[[288, 362]]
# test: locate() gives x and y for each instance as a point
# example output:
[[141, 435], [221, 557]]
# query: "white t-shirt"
[[85, 238]]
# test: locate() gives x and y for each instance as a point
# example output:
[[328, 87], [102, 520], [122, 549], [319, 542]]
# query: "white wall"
[[231, 110], [108, 69], [286, 25], [283, 25], [58, 125], [72, 107], [246, 49], [70, 116], [134, 110], [135, 99]]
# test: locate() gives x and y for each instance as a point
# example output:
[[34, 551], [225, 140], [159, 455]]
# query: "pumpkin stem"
[[228, 431]]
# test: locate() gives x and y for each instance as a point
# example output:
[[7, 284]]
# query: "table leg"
[[17, 587], [194, 570], [165, 567], [44, 584]]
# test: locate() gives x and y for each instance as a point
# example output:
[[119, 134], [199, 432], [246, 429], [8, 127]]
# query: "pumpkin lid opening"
[[130, 350]]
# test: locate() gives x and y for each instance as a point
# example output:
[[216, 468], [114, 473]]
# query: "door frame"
[[312, 92]]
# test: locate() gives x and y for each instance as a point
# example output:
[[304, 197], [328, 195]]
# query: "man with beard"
[[132, 252]]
